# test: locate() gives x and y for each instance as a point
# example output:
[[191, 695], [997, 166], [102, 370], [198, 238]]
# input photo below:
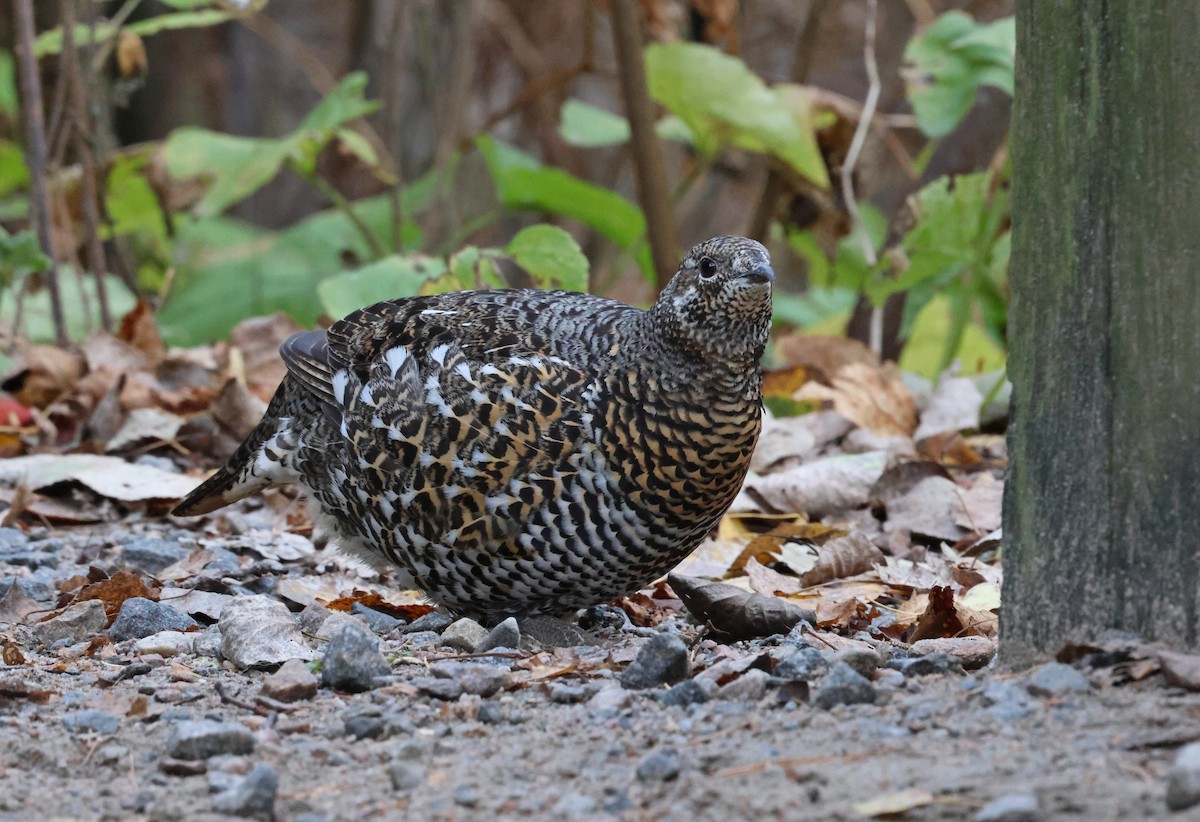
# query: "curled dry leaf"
[[817, 488], [930, 509], [258, 339], [146, 425], [139, 329], [768, 581], [373, 599], [940, 618], [979, 508], [893, 804], [825, 355], [953, 406], [843, 557], [110, 477], [237, 409], [113, 592], [44, 374], [950, 449], [874, 398], [737, 614]]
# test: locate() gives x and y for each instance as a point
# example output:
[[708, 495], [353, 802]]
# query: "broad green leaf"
[[724, 103], [14, 174], [850, 269], [815, 306], [20, 254], [391, 278], [808, 248], [949, 61], [522, 183], [9, 104], [51, 41], [239, 166], [551, 257], [470, 268], [587, 126], [922, 353], [131, 202], [81, 309]]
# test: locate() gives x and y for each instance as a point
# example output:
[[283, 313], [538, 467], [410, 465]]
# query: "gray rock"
[[165, 644], [749, 687], [259, 630], [380, 622], [1056, 679], [1006, 700], [610, 698], [364, 725], [660, 766], [843, 686], [1011, 807], [662, 660], [141, 617], [688, 692], [574, 806], [41, 585], [859, 659], [435, 621], [293, 682], [253, 795], [12, 539], [313, 617], [504, 635], [805, 662], [152, 554], [352, 661], [974, 651], [563, 694], [202, 738], [466, 795], [491, 713], [335, 622], [464, 634], [552, 632], [474, 677], [438, 687], [935, 663], [405, 776], [1183, 782], [91, 720], [207, 642], [79, 622]]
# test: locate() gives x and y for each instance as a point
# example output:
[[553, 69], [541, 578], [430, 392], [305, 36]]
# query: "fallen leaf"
[[139, 329], [146, 425], [43, 374], [113, 592], [953, 406], [110, 477], [949, 449], [12, 687], [873, 398], [940, 618], [982, 597], [282, 546], [929, 509], [819, 488], [194, 602], [1180, 670], [843, 557], [372, 599], [11, 654], [236, 409], [767, 581], [15, 606], [826, 355], [980, 507], [735, 613], [893, 804], [258, 339]]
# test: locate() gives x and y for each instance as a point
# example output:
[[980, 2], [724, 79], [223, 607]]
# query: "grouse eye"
[[708, 267]]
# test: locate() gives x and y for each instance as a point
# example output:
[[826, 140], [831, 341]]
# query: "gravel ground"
[[157, 716]]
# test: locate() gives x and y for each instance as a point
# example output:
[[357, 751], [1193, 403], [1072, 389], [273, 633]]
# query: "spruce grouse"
[[522, 452]]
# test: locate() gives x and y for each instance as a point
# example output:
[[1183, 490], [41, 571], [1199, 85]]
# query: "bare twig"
[[31, 98], [856, 146], [647, 153]]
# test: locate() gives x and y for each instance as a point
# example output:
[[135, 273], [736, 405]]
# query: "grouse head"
[[717, 307]]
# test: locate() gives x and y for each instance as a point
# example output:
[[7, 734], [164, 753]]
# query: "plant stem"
[[647, 153], [345, 206], [35, 155]]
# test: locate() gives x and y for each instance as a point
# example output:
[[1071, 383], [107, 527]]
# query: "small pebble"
[[662, 660], [1056, 679], [438, 687], [200, 739], [253, 795], [81, 621], [466, 796], [688, 692], [1006, 700], [474, 677], [660, 766], [381, 623], [860, 660], [464, 635], [504, 635], [140, 617], [405, 776], [1183, 782], [564, 694], [152, 554], [435, 621], [1011, 807], [353, 661], [843, 686], [91, 720], [805, 662], [934, 663], [363, 725], [293, 682]]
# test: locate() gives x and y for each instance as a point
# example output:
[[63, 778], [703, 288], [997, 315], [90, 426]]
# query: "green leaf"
[[815, 306], [551, 256], [522, 183], [20, 254], [724, 103], [391, 278], [81, 309], [922, 353], [850, 269], [587, 126], [14, 174], [470, 268], [51, 41], [239, 166], [131, 202], [8, 84], [950, 60]]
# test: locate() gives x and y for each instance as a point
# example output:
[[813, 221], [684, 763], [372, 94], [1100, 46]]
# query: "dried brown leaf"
[[236, 409], [113, 592], [873, 398], [940, 618], [767, 581], [949, 449], [139, 329], [15, 606], [826, 356], [843, 557], [734, 613], [372, 599]]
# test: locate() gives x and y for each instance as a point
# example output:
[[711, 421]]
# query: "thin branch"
[[648, 162], [856, 146], [31, 98], [346, 207]]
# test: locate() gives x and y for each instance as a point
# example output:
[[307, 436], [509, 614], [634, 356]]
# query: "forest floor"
[[99, 726]]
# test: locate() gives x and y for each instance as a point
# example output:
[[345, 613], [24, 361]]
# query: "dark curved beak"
[[762, 274]]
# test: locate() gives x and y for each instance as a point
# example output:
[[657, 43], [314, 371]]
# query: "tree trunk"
[[1102, 504]]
